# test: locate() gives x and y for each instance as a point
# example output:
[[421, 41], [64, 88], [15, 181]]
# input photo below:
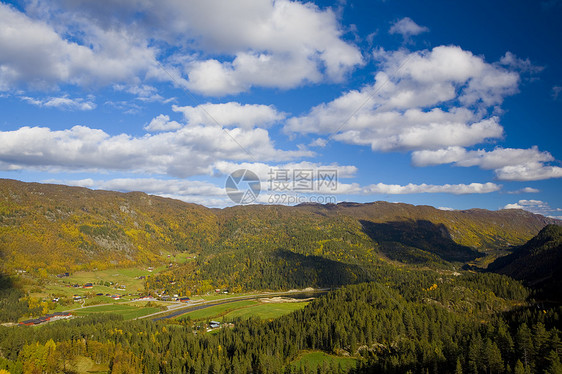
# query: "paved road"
[[172, 313]]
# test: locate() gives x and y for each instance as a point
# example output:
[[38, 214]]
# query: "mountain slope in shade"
[[538, 262], [55, 228]]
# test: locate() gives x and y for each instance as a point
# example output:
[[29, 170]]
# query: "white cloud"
[[198, 192], [513, 164], [223, 47], [524, 190], [274, 44], [535, 206], [143, 92], [498, 158], [191, 150], [162, 123], [36, 56], [514, 62], [531, 171], [456, 189], [407, 28], [319, 142], [231, 114], [264, 171], [63, 102], [421, 100]]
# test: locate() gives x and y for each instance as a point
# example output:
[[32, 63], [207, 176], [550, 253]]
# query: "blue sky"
[[451, 104]]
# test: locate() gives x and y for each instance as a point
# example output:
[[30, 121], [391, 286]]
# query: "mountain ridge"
[[59, 228], [537, 262]]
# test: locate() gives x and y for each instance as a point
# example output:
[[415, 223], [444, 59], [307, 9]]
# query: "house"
[[214, 324], [184, 299], [115, 297], [88, 285], [46, 318]]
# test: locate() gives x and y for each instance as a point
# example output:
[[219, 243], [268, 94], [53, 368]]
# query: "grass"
[[266, 310], [217, 310], [127, 311], [314, 359], [82, 364]]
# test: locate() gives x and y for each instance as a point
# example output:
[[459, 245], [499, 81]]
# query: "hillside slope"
[[52, 228], [538, 262]]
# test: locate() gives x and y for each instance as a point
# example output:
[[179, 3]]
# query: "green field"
[[127, 311], [218, 310], [313, 360], [266, 310]]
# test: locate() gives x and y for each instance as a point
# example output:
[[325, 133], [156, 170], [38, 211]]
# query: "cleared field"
[[312, 360], [266, 310], [218, 310], [127, 311]]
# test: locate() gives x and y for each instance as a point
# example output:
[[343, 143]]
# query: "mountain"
[[538, 262], [47, 228]]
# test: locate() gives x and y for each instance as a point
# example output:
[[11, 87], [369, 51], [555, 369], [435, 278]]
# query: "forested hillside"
[[54, 228], [538, 262], [404, 329]]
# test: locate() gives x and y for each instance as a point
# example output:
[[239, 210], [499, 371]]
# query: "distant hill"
[[538, 262], [47, 228]]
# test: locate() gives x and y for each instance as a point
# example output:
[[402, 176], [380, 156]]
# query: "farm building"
[[46, 318]]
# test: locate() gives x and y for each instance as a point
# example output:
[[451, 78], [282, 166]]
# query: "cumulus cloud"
[[498, 158], [63, 102], [162, 123], [319, 142], [274, 44], [231, 114], [268, 171], [511, 164], [420, 100], [456, 189], [190, 150], [407, 28], [531, 171], [198, 192], [222, 47], [523, 65], [535, 206], [514, 164], [524, 190], [36, 56]]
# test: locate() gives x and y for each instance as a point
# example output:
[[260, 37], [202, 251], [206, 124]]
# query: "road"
[[178, 311]]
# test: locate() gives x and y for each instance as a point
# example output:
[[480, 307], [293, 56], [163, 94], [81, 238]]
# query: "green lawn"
[[217, 310], [127, 311], [313, 360], [266, 310]]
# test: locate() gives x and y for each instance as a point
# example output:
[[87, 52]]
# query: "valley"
[[406, 287]]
